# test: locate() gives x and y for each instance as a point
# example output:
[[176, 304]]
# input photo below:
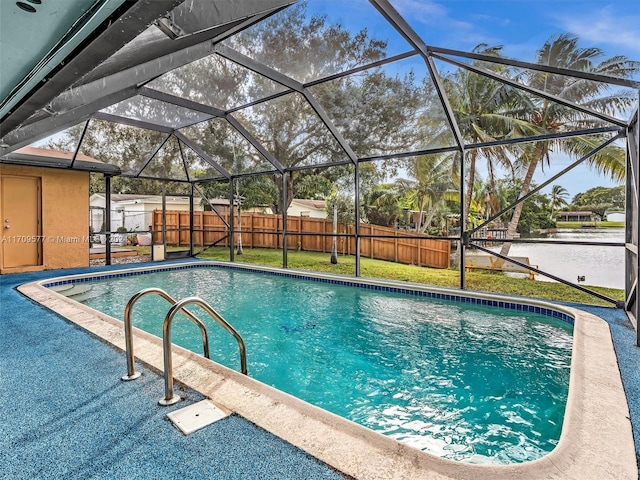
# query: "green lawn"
[[476, 280]]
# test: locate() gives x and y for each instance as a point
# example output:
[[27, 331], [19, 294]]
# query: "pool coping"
[[596, 440]]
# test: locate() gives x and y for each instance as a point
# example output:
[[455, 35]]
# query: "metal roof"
[[49, 158], [91, 54], [125, 65]]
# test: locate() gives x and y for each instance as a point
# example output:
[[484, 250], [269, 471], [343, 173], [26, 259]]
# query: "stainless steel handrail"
[[128, 329], [169, 397]]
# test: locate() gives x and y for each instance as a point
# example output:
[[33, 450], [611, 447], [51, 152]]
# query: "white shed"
[[134, 212]]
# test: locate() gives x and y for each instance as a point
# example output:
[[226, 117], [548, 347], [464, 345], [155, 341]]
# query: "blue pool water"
[[465, 382]]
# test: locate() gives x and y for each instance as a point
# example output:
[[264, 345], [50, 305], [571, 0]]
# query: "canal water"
[[599, 265]]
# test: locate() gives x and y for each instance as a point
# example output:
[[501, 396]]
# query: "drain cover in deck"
[[196, 416]]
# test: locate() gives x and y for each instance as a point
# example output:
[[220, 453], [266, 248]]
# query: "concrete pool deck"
[[598, 442]]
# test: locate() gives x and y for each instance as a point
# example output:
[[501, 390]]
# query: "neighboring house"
[[615, 215], [299, 207], [44, 206], [307, 208], [576, 217]]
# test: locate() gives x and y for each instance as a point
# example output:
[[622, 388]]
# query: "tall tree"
[[478, 104], [558, 199], [383, 205], [425, 190], [545, 116], [372, 110], [600, 199]]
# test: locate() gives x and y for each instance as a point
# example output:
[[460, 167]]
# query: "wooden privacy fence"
[[304, 233]]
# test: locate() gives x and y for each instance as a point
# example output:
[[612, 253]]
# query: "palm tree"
[[384, 205], [558, 198], [477, 104], [545, 116], [426, 190]]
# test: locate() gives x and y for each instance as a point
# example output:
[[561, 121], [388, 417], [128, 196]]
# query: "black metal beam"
[[107, 219], [206, 157], [329, 78], [356, 178], [632, 297], [330, 126], [77, 150], [158, 179], [400, 24], [132, 122], [623, 82], [285, 194], [548, 182], [257, 67], [117, 30], [495, 143], [152, 155], [549, 275], [547, 136], [268, 98], [632, 231], [548, 242], [28, 134], [180, 102], [361, 68], [231, 222], [534, 91], [255, 142], [213, 208], [184, 163], [191, 219], [319, 165], [256, 174]]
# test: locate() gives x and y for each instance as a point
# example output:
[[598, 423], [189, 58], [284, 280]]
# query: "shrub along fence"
[[303, 233]]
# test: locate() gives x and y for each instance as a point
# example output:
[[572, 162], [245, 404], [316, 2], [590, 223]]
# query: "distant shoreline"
[[590, 224]]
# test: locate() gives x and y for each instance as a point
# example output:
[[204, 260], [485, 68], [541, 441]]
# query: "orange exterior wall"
[[65, 216]]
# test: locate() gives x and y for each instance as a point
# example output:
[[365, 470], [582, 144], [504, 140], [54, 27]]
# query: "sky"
[[520, 26]]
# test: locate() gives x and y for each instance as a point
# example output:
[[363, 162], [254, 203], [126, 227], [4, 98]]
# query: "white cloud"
[[438, 25], [424, 10], [428, 12], [605, 26]]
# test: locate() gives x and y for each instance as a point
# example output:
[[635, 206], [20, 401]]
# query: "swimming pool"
[[447, 374]]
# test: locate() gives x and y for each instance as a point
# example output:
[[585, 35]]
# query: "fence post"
[[395, 244], [251, 229]]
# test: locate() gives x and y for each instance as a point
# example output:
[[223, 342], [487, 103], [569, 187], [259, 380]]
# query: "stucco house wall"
[[64, 212], [300, 208]]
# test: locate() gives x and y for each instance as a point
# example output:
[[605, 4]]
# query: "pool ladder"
[[176, 306]]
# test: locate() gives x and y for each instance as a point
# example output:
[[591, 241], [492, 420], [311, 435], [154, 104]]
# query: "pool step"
[[73, 290], [62, 288], [81, 297]]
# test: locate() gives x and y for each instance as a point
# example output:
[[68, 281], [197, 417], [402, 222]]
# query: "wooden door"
[[21, 232]]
